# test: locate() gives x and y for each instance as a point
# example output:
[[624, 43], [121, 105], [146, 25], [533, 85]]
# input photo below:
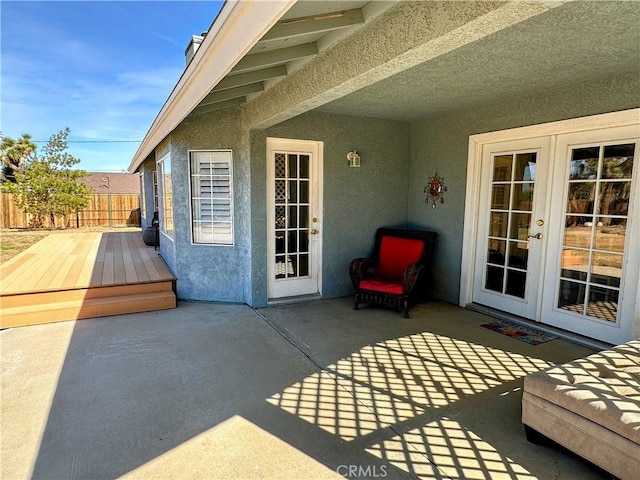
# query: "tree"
[[47, 186], [14, 154]]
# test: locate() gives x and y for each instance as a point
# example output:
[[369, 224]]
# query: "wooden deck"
[[69, 276]]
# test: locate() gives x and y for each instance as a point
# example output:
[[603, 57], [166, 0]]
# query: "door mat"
[[524, 334]]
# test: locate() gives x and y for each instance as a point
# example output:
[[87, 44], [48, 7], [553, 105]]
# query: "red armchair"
[[396, 275]]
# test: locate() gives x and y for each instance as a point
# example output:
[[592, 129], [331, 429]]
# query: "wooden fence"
[[103, 210]]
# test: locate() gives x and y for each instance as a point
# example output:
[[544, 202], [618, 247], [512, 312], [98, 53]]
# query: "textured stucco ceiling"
[[570, 44]]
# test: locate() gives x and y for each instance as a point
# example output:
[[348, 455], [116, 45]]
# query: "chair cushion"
[[382, 285], [396, 253]]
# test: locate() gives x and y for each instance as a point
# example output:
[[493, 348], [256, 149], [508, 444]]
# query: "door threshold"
[[548, 329], [293, 299]]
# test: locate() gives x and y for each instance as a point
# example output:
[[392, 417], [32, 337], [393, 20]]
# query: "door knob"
[[313, 231], [537, 236]]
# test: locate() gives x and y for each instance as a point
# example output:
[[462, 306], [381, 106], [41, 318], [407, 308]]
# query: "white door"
[[558, 232], [510, 236], [294, 224], [591, 272]]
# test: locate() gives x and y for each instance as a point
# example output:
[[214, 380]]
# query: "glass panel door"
[[294, 226], [511, 225], [593, 261], [595, 231]]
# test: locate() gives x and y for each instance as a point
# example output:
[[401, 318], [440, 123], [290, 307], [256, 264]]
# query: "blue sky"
[[103, 69]]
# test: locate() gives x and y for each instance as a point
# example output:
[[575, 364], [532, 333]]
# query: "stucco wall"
[[397, 160], [207, 272], [356, 200], [441, 144]]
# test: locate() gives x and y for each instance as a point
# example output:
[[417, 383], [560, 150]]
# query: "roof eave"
[[237, 28]]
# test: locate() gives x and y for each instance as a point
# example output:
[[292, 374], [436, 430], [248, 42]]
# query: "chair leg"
[[355, 302], [405, 308]]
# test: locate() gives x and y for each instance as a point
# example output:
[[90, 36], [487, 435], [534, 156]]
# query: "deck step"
[[27, 299], [92, 303]]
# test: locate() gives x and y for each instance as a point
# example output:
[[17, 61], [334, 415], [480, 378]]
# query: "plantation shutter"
[[212, 197]]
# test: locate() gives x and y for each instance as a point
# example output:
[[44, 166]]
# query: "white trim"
[[474, 152], [167, 236], [470, 225], [161, 204], [238, 27]]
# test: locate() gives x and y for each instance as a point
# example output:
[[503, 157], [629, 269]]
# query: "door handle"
[[537, 236], [313, 231]]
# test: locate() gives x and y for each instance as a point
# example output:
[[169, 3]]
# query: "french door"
[[512, 227], [592, 261], [294, 228], [558, 237]]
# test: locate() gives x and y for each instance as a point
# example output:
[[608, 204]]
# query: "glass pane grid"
[[512, 189], [291, 215], [595, 230]]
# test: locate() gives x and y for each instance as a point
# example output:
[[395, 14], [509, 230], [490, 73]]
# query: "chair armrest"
[[411, 276], [362, 268]]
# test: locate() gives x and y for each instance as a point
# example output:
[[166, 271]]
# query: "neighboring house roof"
[[113, 182], [399, 59]]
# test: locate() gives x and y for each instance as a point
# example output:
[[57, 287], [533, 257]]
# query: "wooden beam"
[[216, 97], [217, 106], [272, 58], [313, 24], [250, 77]]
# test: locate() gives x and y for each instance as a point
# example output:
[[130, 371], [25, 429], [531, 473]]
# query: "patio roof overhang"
[[231, 36], [249, 47], [286, 57]]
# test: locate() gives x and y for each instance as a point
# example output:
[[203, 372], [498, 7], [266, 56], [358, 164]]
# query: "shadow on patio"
[[212, 391]]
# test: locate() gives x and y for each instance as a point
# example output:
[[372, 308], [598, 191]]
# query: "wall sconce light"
[[354, 158], [434, 190]]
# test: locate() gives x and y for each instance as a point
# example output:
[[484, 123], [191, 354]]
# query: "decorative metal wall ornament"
[[434, 190]]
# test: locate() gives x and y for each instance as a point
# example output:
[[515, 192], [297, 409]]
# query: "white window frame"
[[222, 240], [155, 190], [161, 165]]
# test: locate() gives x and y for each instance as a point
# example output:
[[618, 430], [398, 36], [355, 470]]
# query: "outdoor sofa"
[[591, 406]]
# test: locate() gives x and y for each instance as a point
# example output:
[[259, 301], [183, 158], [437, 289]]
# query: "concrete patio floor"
[[312, 390]]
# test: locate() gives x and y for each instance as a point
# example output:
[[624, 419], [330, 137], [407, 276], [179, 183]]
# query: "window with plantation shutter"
[[212, 197]]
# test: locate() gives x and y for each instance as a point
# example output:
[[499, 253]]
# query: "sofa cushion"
[[396, 253], [603, 387]]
